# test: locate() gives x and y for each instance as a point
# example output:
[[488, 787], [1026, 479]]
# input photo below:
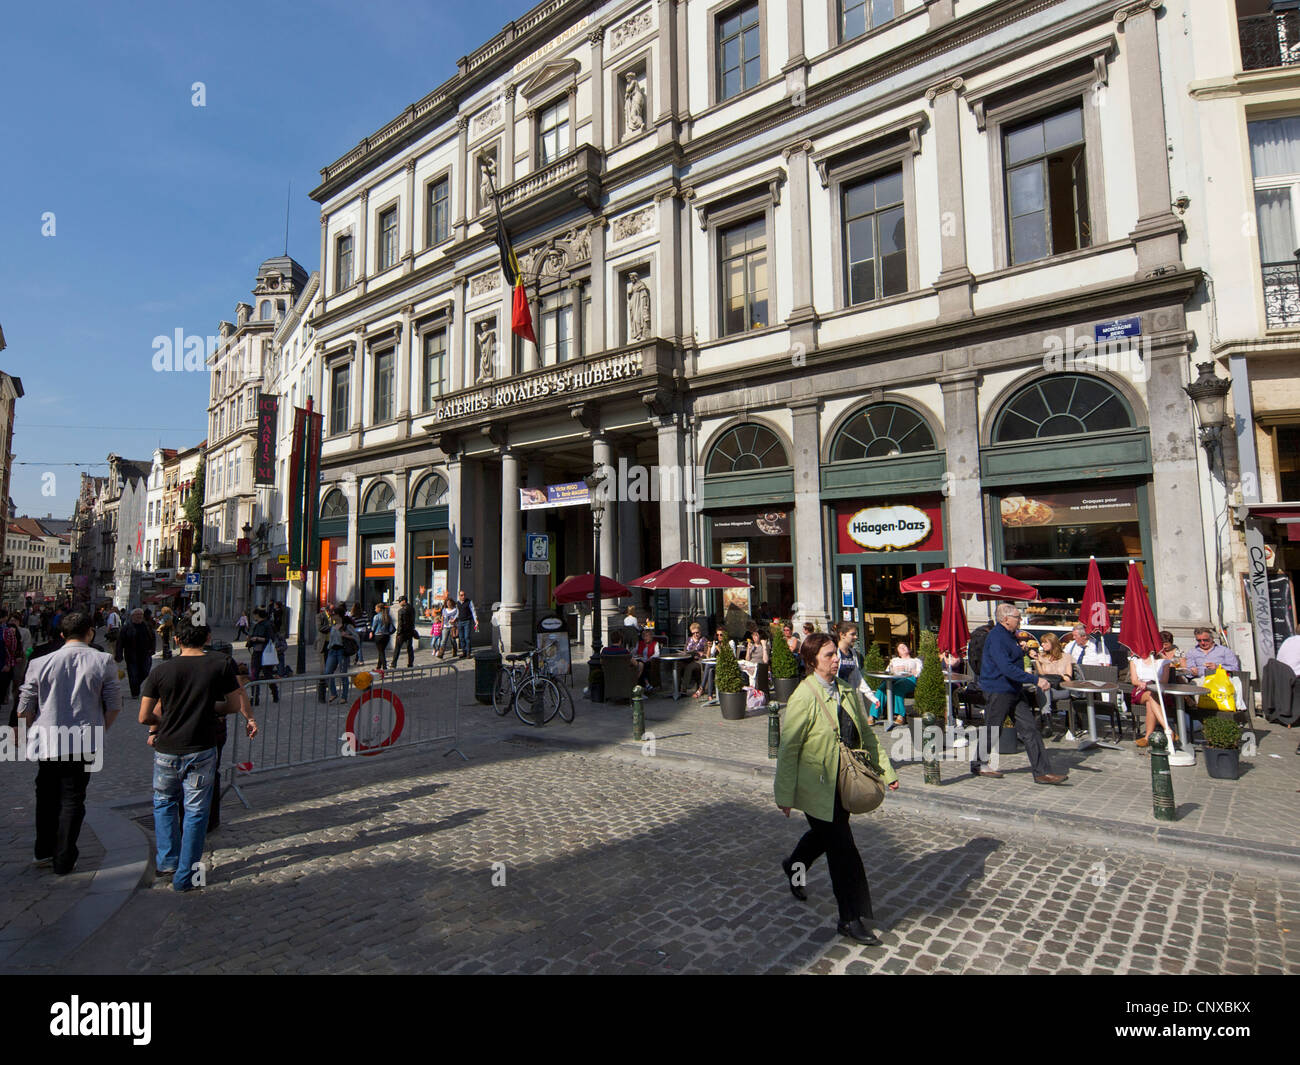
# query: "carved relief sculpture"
[[485, 167], [485, 339], [638, 308], [633, 107]]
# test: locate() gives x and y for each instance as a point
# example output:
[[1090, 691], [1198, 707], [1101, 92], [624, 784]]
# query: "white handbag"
[[270, 657]]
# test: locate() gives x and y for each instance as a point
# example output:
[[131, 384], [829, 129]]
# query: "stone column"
[[402, 565], [406, 356], [1158, 228], [1244, 420], [809, 563], [326, 263], [602, 456], [511, 547], [668, 310], [954, 282], [455, 513], [349, 590], [629, 521], [794, 34], [576, 337], [596, 37], [599, 337], [505, 174], [672, 512], [408, 257], [802, 318], [666, 81], [940, 11], [965, 533], [358, 384], [534, 522], [463, 176], [359, 256], [1177, 536]]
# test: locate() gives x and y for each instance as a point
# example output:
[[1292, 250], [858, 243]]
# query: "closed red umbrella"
[[954, 633], [969, 580], [1138, 630], [1094, 615], [582, 589], [687, 575]]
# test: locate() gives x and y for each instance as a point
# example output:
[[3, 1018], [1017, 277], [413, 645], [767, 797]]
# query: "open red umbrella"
[[582, 589], [1138, 630], [1093, 612], [967, 581], [687, 575]]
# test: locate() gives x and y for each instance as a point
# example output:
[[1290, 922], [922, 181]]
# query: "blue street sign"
[[193, 580], [539, 547], [1120, 327]]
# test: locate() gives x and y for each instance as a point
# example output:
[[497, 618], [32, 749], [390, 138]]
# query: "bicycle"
[[525, 684]]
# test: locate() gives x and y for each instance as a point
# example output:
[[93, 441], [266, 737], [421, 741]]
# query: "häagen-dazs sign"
[[558, 382], [889, 528]]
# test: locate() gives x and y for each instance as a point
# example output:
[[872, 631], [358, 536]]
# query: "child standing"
[[435, 631]]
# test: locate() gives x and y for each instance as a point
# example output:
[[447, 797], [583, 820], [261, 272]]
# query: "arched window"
[[334, 505], [882, 431], [379, 499], [1063, 405], [744, 449], [430, 492], [264, 311]]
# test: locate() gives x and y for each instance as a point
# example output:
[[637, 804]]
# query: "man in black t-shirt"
[[179, 704]]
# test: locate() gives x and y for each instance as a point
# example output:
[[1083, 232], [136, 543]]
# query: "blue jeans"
[[336, 662], [903, 687], [464, 628], [182, 796]]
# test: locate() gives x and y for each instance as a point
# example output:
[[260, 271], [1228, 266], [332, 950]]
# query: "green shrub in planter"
[[727, 675], [784, 665], [1222, 732], [931, 696]]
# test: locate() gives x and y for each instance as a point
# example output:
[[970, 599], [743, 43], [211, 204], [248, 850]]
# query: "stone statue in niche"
[[633, 106], [638, 308], [485, 166], [486, 341]]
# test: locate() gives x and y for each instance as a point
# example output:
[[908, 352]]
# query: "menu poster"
[[1281, 603], [557, 659], [759, 523], [1091, 507]]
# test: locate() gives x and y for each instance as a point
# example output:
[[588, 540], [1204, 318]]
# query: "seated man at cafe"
[[1084, 651], [1207, 656]]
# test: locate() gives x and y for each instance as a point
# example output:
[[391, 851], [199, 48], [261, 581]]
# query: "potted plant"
[[930, 700], [1222, 747], [874, 661], [730, 682], [784, 666]]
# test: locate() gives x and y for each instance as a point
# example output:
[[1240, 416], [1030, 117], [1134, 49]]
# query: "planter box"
[[1222, 764], [784, 688], [732, 705]]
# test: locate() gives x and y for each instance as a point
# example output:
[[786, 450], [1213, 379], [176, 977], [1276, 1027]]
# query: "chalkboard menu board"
[[1281, 604], [660, 613]]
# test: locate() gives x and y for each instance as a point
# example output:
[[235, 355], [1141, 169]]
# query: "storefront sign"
[[559, 382], [760, 523], [1091, 507], [846, 591], [264, 456], [889, 528], [573, 494], [383, 554]]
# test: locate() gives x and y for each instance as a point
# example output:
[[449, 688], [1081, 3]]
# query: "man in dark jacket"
[[975, 648], [1002, 679], [137, 643], [405, 631]]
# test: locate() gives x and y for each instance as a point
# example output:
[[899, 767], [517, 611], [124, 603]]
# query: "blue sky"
[[162, 210]]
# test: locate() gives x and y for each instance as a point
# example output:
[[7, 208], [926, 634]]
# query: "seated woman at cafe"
[[645, 652], [1054, 664], [755, 650], [906, 669], [696, 646], [707, 685], [1167, 647], [1141, 672]]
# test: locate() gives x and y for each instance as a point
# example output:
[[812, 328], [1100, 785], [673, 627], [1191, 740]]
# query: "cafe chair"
[[618, 677]]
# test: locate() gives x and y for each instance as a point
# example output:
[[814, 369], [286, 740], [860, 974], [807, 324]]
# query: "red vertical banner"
[[264, 456], [304, 489]]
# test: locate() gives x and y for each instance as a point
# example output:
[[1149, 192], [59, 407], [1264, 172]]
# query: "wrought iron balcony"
[[1282, 294], [554, 188], [1271, 40]]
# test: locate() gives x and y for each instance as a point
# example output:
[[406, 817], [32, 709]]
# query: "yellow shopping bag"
[[1222, 694]]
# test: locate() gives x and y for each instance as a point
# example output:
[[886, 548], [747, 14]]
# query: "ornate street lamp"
[[1209, 394], [595, 482]]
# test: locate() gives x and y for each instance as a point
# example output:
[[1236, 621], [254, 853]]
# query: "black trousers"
[[997, 706], [834, 839], [381, 648], [60, 810], [407, 638]]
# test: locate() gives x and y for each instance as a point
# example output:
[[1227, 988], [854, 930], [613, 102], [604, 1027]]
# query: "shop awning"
[[1287, 514]]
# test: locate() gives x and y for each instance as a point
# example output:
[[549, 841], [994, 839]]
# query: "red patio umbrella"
[[1138, 630], [1093, 612], [582, 588], [687, 575], [954, 632], [968, 581]]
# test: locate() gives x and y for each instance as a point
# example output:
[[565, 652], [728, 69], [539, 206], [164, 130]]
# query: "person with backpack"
[[381, 631], [405, 632], [343, 644]]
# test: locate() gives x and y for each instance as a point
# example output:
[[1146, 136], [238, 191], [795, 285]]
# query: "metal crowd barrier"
[[399, 709]]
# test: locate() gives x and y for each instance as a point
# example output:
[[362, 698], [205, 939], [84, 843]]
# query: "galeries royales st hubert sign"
[[561, 381]]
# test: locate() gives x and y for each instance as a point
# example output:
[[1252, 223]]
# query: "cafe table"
[[1181, 692], [675, 659], [887, 679], [1091, 689]]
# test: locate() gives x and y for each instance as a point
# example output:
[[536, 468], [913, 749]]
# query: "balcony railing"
[[1271, 40], [1282, 295]]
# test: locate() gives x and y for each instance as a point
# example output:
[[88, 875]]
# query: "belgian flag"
[[521, 318]]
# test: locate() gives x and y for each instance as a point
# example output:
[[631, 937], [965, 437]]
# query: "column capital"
[[365, 197], [596, 36], [804, 146], [324, 220], [1129, 11], [958, 380], [811, 405], [510, 90], [462, 123], [955, 85]]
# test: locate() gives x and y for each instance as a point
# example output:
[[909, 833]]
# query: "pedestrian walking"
[[166, 619], [25, 648], [343, 644], [405, 632], [823, 712], [241, 626], [69, 699], [262, 655], [180, 707], [450, 618], [467, 617], [324, 622], [381, 631], [136, 643]]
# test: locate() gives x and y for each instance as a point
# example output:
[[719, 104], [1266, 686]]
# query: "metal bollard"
[[931, 772], [773, 729], [1162, 784], [638, 714]]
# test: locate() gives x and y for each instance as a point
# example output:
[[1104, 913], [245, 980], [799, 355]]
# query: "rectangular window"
[[1046, 185], [437, 222], [555, 337], [382, 408], [738, 51], [388, 238], [858, 16], [342, 263], [553, 132], [238, 459], [875, 238], [435, 367], [1275, 163], [742, 268], [339, 418]]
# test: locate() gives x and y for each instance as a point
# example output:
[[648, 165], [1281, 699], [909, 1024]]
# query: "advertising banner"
[[1089, 507], [264, 455], [759, 523], [572, 494], [891, 526]]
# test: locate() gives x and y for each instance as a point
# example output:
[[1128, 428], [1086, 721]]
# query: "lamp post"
[[1209, 394], [595, 484]]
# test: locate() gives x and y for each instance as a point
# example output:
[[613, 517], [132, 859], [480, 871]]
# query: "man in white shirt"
[[1084, 651]]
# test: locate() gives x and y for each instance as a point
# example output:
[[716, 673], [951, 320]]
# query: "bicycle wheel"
[[567, 709], [503, 692], [538, 701]]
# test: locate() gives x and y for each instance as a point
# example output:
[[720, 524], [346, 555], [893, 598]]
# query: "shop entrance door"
[[868, 595]]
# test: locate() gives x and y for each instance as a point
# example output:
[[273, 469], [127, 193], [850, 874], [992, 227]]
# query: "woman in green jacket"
[[807, 773]]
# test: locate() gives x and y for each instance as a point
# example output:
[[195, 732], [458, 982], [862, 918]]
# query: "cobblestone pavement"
[[603, 866]]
